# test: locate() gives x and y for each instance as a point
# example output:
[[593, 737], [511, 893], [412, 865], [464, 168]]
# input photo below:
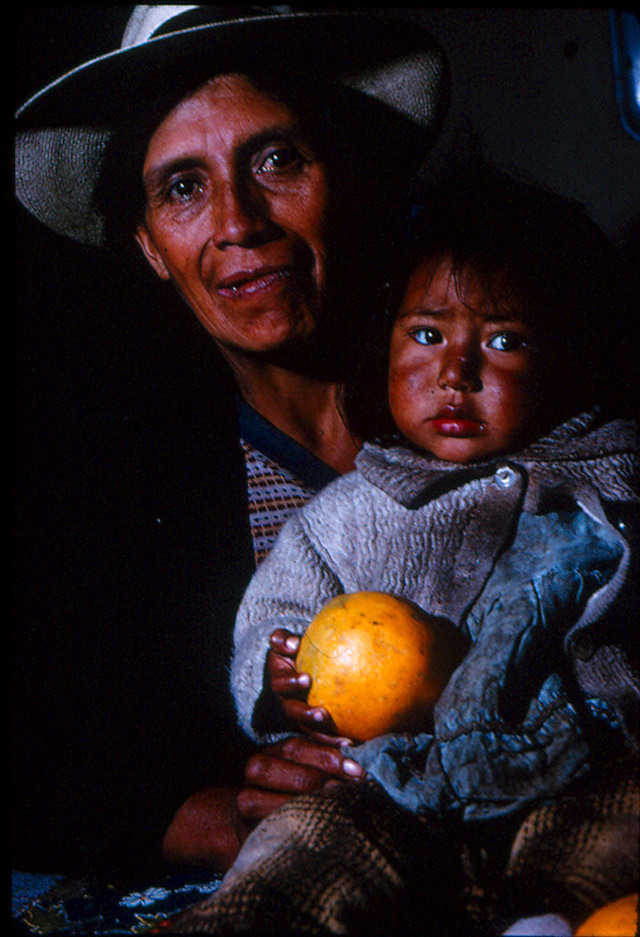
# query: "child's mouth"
[[452, 421]]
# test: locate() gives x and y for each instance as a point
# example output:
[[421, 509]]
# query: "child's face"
[[461, 368]]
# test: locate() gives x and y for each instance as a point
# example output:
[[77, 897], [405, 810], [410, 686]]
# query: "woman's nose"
[[239, 218], [460, 371]]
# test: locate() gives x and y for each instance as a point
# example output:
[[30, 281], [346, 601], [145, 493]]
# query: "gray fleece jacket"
[[532, 555]]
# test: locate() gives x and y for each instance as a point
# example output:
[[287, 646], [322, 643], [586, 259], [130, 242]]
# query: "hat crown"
[[148, 21], [145, 20]]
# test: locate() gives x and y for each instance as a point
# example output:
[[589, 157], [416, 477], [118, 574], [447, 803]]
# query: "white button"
[[505, 476]]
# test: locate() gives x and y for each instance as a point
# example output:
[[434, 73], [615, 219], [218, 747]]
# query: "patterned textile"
[[580, 851], [46, 904], [348, 860], [273, 494], [281, 476], [344, 860]]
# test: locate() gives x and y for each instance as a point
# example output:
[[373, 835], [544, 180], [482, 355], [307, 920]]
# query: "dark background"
[[129, 554]]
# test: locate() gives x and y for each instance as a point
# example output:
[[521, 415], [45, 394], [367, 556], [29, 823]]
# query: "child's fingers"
[[309, 718], [285, 642], [313, 720], [326, 738], [284, 679]]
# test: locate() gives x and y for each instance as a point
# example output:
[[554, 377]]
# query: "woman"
[[253, 160]]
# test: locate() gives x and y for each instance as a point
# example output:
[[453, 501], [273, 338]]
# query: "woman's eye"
[[426, 335], [183, 189], [278, 159], [508, 341]]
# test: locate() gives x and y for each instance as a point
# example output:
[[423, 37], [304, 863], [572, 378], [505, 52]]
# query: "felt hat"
[[63, 130]]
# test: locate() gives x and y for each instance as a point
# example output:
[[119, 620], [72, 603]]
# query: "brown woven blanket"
[[349, 861]]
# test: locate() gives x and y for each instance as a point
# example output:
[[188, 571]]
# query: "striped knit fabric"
[[281, 476], [274, 493]]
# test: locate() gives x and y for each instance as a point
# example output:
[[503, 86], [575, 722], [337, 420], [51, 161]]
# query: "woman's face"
[[236, 206], [462, 369]]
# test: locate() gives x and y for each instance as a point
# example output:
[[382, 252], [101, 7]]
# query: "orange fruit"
[[378, 663], [617, 919]]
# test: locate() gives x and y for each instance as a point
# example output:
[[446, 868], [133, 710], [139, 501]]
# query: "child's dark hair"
[[565, 277]]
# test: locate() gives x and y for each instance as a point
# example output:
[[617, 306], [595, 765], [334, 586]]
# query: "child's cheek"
[[413, 384], [410, 395]]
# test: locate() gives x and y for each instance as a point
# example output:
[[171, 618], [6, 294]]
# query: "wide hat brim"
[[63, 130]]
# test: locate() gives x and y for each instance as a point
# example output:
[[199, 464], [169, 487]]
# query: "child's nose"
[[460, 372]]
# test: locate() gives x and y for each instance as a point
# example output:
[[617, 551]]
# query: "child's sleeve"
[[287, 590]]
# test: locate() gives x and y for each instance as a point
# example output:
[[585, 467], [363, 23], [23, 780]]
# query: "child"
[[496, 488]]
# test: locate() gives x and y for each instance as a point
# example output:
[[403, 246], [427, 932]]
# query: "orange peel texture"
[[378, 663]]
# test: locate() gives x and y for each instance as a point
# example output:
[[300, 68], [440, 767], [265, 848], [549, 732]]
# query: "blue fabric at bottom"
[[54, 904], [27, 887]]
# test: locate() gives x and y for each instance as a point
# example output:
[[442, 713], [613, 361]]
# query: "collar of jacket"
[[585, 452]]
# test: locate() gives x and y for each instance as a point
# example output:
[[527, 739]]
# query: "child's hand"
[[292, 687]]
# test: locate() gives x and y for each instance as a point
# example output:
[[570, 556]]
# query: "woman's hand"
[[297, 765]]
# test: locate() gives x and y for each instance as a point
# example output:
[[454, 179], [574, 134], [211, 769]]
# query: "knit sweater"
[[281, 476], [454, 539]]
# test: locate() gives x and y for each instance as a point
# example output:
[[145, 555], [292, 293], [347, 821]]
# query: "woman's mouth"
[[246, 283], [455, 421]]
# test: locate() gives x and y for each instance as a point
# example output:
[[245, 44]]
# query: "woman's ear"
[[151, 252]]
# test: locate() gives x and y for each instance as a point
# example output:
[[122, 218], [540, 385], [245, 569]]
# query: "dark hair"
[[564, 275]]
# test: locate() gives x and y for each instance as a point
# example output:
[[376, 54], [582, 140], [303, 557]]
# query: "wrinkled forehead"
[[231, 103], [305, 98]]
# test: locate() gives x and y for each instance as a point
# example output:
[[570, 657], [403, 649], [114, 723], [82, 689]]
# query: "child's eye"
[[426, 335], [508, 341]]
